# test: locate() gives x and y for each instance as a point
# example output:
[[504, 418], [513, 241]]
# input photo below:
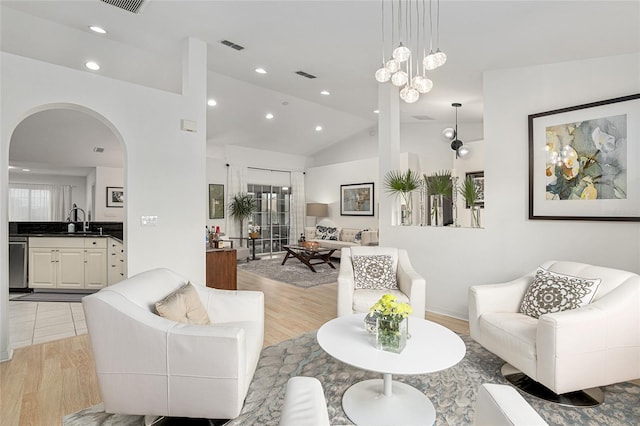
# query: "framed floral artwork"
[[584, 162], [115, 196], [356, 199]]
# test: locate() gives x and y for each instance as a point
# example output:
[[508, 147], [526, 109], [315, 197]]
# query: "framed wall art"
[[584, 162], [216, 201], [115, 196], [356, 199], [478, 180]]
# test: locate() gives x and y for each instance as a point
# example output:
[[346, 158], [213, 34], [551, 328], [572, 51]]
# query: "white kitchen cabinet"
[[72, 263], [116, 261]]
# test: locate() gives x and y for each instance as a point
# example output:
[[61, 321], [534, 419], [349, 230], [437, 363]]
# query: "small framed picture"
[[356, 199], [115, 196], [478, 180], [216, 201]]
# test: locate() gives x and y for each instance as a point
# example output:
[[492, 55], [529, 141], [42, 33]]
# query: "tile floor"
[[38, 322]]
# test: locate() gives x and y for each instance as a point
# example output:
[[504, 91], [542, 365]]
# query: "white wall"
[[165, 167], [451, 260], [77, 183], [108, 177], [322, 185]]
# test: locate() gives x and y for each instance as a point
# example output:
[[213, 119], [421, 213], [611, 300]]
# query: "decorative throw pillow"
[[327, 232], [358, 237], [183, 305], [374, 272], [553, 292]]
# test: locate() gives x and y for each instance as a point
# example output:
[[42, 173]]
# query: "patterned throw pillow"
[[552, 292], [374, 272], [358, 237], [327, 232]]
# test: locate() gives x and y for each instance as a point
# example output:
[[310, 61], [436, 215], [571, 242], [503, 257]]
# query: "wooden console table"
[[221, 269]]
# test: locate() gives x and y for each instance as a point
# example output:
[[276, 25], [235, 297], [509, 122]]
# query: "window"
[[38, 203]]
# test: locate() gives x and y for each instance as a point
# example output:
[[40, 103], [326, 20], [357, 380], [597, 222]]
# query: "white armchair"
[[411, 286], [595, 345], [149, 365]]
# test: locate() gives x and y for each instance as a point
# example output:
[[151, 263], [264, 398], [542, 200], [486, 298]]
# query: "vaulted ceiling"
[[337, 41]]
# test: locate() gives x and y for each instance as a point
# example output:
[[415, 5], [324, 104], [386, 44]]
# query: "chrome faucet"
[[85, 223]]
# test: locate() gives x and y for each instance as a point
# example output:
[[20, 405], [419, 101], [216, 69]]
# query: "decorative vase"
[[437, 201], [254, 234], [475, 216], [407, 219], [391, 333]]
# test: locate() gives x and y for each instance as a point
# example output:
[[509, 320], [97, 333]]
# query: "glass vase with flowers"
[[392, 317]]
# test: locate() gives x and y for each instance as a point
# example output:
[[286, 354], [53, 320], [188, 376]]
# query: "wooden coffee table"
[[385, 401], [318, 255]]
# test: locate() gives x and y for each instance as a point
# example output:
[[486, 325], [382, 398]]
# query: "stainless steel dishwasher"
[[18, 255]]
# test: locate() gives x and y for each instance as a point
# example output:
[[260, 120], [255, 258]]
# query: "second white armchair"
[[411, 287]]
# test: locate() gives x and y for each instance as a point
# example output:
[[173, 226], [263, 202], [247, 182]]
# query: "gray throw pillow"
[[374, 272], [553, 292]]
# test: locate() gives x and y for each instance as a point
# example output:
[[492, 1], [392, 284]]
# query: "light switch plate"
[[148, 220]]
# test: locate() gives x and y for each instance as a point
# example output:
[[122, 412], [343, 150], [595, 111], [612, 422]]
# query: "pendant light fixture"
[[408, 30], [457, 145]]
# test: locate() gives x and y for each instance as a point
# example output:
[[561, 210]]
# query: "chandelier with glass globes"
[[405, 69]]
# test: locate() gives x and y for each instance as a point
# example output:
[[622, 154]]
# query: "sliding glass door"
[[273, 216]]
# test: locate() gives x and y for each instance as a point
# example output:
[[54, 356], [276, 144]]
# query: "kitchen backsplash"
[[114, 229]]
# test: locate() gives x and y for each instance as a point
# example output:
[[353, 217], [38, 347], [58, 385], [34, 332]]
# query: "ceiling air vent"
[[305, 74], [134, 6], [232, 44], [422, 117]]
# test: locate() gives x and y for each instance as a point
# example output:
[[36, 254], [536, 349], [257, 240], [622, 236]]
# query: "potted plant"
[[254, 231], [439, 187], [241, 207], [470, 192], [403, 184]]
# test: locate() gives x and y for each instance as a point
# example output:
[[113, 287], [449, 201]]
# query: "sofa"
[[150, 365], [339, 238]]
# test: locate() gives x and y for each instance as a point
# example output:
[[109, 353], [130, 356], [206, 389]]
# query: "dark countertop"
[[67, 234]]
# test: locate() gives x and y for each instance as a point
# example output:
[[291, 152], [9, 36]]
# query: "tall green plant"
[[439, 183], [469, 191], [241, 207], [402, 184]]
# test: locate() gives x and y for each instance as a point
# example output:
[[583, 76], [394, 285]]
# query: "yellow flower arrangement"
[[389, 306], [391, 321]]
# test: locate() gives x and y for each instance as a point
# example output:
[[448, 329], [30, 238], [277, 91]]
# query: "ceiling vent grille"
[[232, 45], [305, 74], [133, 6], [422, 117]]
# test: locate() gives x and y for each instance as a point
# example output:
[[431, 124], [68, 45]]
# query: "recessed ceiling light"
[[26, 170], [269, 116], [318, 128], [97, 29], [212, 102], [12, 167], [98, 149], [376, 111], [93, 66], [261, 71], [325, 92]]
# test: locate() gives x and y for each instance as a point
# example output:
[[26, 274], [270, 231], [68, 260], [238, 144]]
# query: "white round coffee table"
[[385, 401]]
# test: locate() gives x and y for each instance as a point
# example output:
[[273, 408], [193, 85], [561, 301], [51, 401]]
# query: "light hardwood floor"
[[46, 381]]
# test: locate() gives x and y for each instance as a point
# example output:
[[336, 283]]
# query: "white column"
[[388, 150]]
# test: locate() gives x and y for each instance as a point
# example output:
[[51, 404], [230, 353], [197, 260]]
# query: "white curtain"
[[36, 202], [236, 183], [298, 205]]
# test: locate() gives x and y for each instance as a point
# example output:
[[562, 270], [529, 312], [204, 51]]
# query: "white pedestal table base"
[[387, 402]]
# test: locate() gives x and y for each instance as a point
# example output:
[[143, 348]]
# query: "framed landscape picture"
[[216, 201], [584, 162], [115, 196], [356, 199]]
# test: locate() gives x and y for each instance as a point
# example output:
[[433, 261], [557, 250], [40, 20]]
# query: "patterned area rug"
[[452, 391], [293, 271]]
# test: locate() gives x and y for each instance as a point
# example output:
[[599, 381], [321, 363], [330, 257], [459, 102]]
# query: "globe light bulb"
[[440, 58], [422, 84], [382, 75], [401, 53], [399, 78], [409, 94], [392, 66], [464, 152], [449, 133], [430, 62]]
